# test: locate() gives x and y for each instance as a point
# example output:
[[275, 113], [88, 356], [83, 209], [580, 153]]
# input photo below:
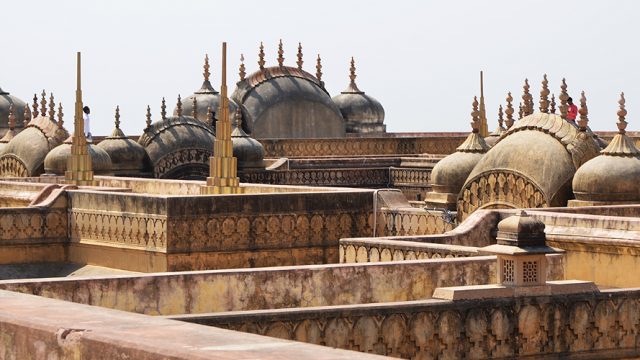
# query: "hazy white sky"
[[419, 58]]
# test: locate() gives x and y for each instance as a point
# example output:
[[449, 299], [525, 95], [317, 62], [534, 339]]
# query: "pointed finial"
[[475, 116], [238, 118], [500, 119], [352, 71], [509, 111], [26, 117], [206, 72], [280, 54], [117, 117], [35, 106], [179, 106], [544, 95], [209, 116], [242, 68], [564, 96], [163, 110], [552, 109], [261, 56], [12, 117], [526, 99], [520, 111], [148, 122], [300, 61], [622, 124], [194, 112], [319, 69], [43, 103], [60, 116], [52, 108], [584, 120]]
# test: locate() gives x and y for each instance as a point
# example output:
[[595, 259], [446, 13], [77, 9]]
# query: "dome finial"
[[563, 99], [319, 70], [584, 120], [527, 100], [43, 103], [520, 110], [35, 106], [179, 106], [194, 112], [12, 117], [163, 109], [552, 110], [238, 118], [280, 54], [475, 116], [117, 117], [52, 108], [148, 122], [206, 72], [352, 71], [622, 113], [544, 95], [300, 61], [500, 119], [242, 71], [509, 111], [60, 116], [26, 117], [209, 116], [261, 61]]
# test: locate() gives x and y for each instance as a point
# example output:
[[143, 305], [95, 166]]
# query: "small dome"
[[361, 112], [127, 156], [248, 151], [6, 100], [56, 160]]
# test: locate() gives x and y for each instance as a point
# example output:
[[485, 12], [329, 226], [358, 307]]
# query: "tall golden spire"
[[79, 167], [484, 127], [223, 166]]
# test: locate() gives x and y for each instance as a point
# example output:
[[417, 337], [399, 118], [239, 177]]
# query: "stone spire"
[[163, 109], [117, 117], [179, 106], [520, 110], [319, 71], [509, 111], [43, 103], [352, 88], [79, 166], [206, 87], [206, 72], [223, 176], [280, 54], [148, 122], [484, 127], [52, 109], [60, 116], [117, 132], [584, 120], [527, 100], [26, 117], [242, 71], [194, 112], [621, 144], [500, 119], [475, 141], [544, 95], [35, 106], [300, 61], [563, 99], [12, 117], [209, 116], [552, 110], [261, 61]]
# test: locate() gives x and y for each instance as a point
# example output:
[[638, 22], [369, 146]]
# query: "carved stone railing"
[[374, 250], [412, 221], [410, 176], [372, 177]]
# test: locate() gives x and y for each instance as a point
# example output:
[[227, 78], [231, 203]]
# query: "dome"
[[56, 160], [530, 166], [6, 100], [285, 102], [24, 155], [206, 97], [361, 112], [248, 151], [127, 156], [178, 147]]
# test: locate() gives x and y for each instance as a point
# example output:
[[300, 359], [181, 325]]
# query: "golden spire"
[[26, 117], [509, 111], [43, 103], [261, 61], [79, 167], [12, 117], [60, 116], [584, 120], [484, 127], [179, 106], [552, 110], [475, 141], [242, 72], [223, 177], [544, 95], [206, 72], [52, 109], [300, 61], [163, 109], [319, 70], [194, 112], [563, 99], [280, 54], [148, 122], [621, 144], [35, 106], [622, 113], [117, 117]]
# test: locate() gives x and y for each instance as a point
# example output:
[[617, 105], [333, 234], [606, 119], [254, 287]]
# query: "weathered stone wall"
[[265, 288], [580, 326]]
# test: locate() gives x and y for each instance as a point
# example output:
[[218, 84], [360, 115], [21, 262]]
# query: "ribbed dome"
[[248, 151], [361, 112], [56, 160], [127, 156], [6, 100]]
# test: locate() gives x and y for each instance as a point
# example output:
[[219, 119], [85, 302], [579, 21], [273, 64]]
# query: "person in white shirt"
[[87, 123]]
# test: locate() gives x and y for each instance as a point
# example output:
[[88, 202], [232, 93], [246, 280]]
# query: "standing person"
[[572, 113], [87, 123]]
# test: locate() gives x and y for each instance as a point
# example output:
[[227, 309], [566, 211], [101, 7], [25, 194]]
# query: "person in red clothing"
[[572, 112]]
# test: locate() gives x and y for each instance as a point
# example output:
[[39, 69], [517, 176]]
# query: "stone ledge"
[[476, 292]]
